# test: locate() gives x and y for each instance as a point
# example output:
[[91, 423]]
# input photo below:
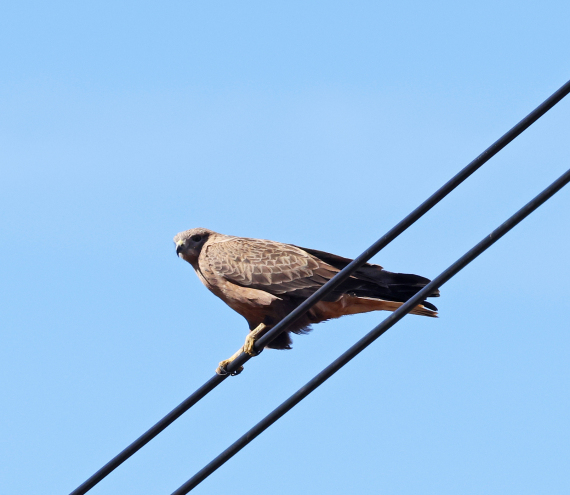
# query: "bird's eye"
[[196, 238]]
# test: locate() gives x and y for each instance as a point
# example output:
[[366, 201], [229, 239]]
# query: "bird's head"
[[189, 243]]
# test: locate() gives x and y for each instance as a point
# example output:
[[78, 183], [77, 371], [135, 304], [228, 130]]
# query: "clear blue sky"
[[316, 123]]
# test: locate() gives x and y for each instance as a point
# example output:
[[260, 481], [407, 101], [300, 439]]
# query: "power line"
[[415, 215], [376, 332], [327, 288]]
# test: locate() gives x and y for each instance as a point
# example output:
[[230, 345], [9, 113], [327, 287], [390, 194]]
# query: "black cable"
[[376, 332], [415, 215], [327, 288]]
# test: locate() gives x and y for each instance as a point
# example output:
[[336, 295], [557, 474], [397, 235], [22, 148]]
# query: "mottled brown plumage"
[[265, 280]]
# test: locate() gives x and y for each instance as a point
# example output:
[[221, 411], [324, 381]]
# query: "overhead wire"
[[376, 332], [410, 219]]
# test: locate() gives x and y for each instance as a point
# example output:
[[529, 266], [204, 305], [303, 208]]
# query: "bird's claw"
[[249, 346], [222, 369]]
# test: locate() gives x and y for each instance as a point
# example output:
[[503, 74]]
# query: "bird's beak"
[[179, 247]]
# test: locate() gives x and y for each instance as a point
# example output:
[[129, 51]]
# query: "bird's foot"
[[249, 345], [222, 368], [248, 348]]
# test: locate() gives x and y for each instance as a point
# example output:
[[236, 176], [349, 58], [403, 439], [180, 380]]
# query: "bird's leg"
[[247, 348], [252, 337]]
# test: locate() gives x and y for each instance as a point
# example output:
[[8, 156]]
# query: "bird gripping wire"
[[327, 288], [376, 332]]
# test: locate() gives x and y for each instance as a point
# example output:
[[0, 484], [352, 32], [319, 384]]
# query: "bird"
[[265, 280]]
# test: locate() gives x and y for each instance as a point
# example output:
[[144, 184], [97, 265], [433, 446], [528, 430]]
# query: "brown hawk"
[[265, 280]]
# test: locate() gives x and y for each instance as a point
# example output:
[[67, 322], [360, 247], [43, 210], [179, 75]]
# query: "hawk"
[[265, 280]]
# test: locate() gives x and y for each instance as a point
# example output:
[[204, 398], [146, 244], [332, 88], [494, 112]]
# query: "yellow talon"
[[248, 348], [222, 368]]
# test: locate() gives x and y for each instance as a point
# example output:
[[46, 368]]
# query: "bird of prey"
[[265, 280]]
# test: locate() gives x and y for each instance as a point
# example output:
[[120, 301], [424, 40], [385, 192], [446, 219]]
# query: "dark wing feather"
[[373, 281], [367, 271], [270, 266]]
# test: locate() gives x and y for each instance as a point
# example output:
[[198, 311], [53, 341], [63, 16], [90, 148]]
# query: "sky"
[[320, 124]]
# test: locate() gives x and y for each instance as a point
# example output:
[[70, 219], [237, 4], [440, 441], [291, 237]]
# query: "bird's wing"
[[269, 266], [373, 281]]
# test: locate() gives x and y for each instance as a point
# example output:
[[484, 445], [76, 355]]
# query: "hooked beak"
[[179, 247]]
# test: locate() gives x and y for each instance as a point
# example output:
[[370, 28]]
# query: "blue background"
[[315, 123]]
